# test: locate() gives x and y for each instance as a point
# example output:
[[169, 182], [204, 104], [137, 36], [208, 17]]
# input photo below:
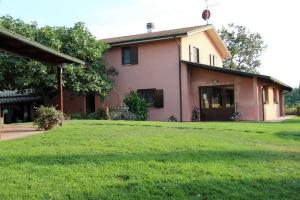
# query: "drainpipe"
[[263, 103], [180, 81]]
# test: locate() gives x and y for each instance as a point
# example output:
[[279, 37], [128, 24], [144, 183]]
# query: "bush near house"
[[137, 105], [47, 117]]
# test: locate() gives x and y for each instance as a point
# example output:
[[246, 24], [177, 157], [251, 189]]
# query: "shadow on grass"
[[289, 135], [163, 157], [226, 188], [176, 127]]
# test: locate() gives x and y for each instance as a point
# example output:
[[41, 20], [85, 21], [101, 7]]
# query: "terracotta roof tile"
[[153, 35]]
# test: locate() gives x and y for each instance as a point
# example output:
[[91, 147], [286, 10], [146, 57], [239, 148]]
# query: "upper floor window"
[[194, 54], [265, 95], [129, 55], [275, 97], [212, 60]]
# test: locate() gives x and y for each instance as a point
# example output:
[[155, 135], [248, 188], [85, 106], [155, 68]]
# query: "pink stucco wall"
[[245, 91], [158, 68]]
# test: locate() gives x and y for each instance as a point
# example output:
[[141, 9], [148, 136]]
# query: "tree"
[[293, 98], [245, 48], [21, 73]]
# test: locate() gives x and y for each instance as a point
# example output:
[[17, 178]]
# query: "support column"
[[60, 96]]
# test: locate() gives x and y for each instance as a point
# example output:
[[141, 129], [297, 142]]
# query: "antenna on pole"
[[206, 14]]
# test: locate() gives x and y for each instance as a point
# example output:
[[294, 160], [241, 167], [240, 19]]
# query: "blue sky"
[[276, 20]]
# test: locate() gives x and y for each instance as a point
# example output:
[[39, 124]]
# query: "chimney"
[[150, 27]]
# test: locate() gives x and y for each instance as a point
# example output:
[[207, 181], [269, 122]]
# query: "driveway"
[[17, 131]]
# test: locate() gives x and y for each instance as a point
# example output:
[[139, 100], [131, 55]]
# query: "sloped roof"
[[238, 73], [150, 36], [171, 34], [22, 46], [13, 96]]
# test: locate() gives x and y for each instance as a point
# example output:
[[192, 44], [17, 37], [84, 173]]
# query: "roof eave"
[[239, 73], [169, 37], [36, 45]]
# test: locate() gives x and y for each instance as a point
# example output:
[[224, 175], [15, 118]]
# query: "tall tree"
[[293, 98], [21, 73], [245, 48]]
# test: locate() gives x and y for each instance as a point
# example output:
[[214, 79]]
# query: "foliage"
[[154, 160], [77, 116], [196, 115], [47, 117], [290, 110], [172, 119], [99, 115], [137, 105], [293, 98], [236, 116], [20, 73], [245, 48]]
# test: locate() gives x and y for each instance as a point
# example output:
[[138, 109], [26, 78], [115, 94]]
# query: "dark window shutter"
[[198, 56], [159, 99], [210, 60], [134, 55]]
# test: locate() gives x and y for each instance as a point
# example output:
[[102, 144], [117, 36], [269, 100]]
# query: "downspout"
[[263, 104], [180, 81]]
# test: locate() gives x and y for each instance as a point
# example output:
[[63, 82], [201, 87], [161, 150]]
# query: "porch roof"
[[22, 46], [238, 73]]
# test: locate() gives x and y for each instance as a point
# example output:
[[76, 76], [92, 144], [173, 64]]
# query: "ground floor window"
[[154, 97], [217, 102]]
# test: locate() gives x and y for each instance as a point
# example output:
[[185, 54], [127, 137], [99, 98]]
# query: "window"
[[265, 95], [129, 55], [229, 97], [275, 96], [154, 97], [212, 60], [216, 100], [204, 99], [194, 54]]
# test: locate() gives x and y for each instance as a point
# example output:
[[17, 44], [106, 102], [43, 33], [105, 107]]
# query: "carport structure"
[[22, 46]]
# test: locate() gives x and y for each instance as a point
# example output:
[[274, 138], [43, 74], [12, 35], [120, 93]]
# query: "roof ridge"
[[153, 35], [190, 27]]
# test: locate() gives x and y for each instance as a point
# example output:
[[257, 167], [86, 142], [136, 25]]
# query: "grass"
[[152, 160]]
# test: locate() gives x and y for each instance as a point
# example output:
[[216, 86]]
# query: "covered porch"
[[23, 47], [218, 93]]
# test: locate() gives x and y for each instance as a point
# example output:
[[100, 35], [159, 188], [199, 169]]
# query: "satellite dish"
[[206, 15]]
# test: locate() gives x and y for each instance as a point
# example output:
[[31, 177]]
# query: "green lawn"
[[151, 160]]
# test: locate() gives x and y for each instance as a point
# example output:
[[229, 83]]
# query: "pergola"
[[22, 46]]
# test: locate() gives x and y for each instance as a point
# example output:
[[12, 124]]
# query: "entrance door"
[[90, 104], [216, 103]]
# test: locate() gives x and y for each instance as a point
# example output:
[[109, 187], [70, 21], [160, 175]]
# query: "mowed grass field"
[[153, 160]]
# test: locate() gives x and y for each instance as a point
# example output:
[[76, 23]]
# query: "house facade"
[[179, 71]]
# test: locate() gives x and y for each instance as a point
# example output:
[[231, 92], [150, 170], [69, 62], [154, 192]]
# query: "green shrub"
[[77, 116], [137, 105], [47, 117], [93, 115], [102, 115], [99, 115]]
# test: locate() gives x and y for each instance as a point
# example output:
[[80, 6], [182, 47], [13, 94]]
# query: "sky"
[[276, 20]]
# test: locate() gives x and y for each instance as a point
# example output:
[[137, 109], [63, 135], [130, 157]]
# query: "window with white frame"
[[194, 54], [212, 60]]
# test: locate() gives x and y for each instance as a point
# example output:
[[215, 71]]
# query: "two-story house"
[[179, 70]]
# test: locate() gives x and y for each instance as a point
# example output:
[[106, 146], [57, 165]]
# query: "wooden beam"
[[60, 96]]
